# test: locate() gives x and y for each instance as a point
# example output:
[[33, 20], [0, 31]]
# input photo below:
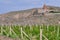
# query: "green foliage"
[[50, 31]]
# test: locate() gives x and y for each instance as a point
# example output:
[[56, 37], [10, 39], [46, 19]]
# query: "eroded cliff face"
[[31, 16]]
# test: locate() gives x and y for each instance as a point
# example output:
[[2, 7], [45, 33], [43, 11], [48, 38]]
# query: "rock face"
[[31, 16]]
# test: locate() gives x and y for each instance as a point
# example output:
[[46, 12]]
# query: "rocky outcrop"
[[31, 16]]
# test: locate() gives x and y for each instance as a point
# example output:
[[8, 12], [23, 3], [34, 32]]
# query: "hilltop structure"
[[41, 11], [45, 10]]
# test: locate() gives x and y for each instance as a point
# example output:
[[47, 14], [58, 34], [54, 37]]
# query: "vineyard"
[[34, 32]]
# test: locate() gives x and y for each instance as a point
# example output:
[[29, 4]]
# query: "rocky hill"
[[31, 16]]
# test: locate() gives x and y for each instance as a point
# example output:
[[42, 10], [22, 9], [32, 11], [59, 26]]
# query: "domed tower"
[[45, 9]]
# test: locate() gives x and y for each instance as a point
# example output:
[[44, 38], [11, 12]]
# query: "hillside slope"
[[30, 16]]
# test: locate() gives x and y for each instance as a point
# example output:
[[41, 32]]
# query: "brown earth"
[[8, 38]]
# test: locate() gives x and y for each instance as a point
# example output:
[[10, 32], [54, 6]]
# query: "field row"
[[34, 32]]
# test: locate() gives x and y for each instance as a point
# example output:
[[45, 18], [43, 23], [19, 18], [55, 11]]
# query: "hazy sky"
[[14, 5]]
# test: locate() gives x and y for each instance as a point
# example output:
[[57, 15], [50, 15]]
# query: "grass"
[[51, 32]]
